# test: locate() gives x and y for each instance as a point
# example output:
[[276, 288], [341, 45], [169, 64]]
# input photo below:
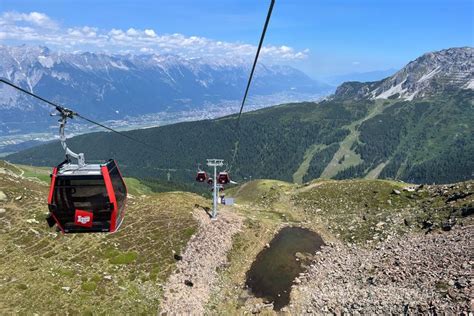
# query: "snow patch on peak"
[[118, 65], [392, 91], [469, 85], [46, 61], [410, 97], [60, 75], [430, 74]]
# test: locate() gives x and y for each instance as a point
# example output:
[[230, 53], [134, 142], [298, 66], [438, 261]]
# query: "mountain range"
[[107, 86], [374, 75], [416, 126], [428, 75]]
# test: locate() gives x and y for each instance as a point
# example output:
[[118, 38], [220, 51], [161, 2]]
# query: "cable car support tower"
[[215, 163]]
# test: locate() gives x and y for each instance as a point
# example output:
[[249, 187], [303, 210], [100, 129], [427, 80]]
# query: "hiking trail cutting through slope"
[[188, 288]]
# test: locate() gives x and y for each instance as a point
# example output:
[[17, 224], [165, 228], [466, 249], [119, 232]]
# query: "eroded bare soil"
[[189, 287]]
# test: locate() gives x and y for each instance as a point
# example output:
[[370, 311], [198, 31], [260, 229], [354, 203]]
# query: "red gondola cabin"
[[223, 178], [87, 199], [201, 176]]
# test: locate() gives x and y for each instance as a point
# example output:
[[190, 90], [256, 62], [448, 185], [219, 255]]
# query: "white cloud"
[[132, 32], [150, 33], [34, 18], [38, 28]]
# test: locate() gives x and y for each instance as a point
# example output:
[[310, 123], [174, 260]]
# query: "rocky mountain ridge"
[[109, 86], [425, 76]]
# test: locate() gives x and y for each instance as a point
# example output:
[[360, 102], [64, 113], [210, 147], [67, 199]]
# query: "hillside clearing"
[[308, 156], [374, 173], [346, 157]]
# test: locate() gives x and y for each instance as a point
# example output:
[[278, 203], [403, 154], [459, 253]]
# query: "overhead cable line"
[[260, 44], [256, 56]]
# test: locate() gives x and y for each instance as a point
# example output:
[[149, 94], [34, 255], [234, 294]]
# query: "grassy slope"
[[298, 176], [31, 172], [43, 271]]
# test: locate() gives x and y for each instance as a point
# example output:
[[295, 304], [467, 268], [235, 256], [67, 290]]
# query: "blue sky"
[[322, 38]]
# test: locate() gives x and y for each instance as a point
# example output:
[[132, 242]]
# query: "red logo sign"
[[83, 218]]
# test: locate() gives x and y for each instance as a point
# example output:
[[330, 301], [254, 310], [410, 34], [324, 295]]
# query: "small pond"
[[273, 271]]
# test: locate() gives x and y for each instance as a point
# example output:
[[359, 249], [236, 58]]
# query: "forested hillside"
[[272, 142], [424, 140]]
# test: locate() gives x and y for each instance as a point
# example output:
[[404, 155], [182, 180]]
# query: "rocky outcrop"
[[424, 273], [425, 76]]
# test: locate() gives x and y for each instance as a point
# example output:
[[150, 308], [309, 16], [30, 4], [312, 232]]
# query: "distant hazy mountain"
[[105, 86], [416, 126], [360, 76], [427, 75]]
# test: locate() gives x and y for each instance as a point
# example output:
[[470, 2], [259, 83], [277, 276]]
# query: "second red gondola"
[[201, 176], [223, 178]]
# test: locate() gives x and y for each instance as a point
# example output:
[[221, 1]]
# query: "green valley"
[[423, 140]]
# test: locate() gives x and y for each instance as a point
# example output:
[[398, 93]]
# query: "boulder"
[[447, 226], [461, 283]]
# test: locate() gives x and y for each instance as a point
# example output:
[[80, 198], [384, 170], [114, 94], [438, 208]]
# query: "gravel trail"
[[188, 288]]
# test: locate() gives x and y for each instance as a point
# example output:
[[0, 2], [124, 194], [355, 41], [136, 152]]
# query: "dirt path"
[[312, 186], [204, 254], [10, 172]]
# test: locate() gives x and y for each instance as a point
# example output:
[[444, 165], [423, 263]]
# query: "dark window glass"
[[84, 194]]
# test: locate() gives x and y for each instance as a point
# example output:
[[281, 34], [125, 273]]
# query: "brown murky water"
[[273, 271]]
